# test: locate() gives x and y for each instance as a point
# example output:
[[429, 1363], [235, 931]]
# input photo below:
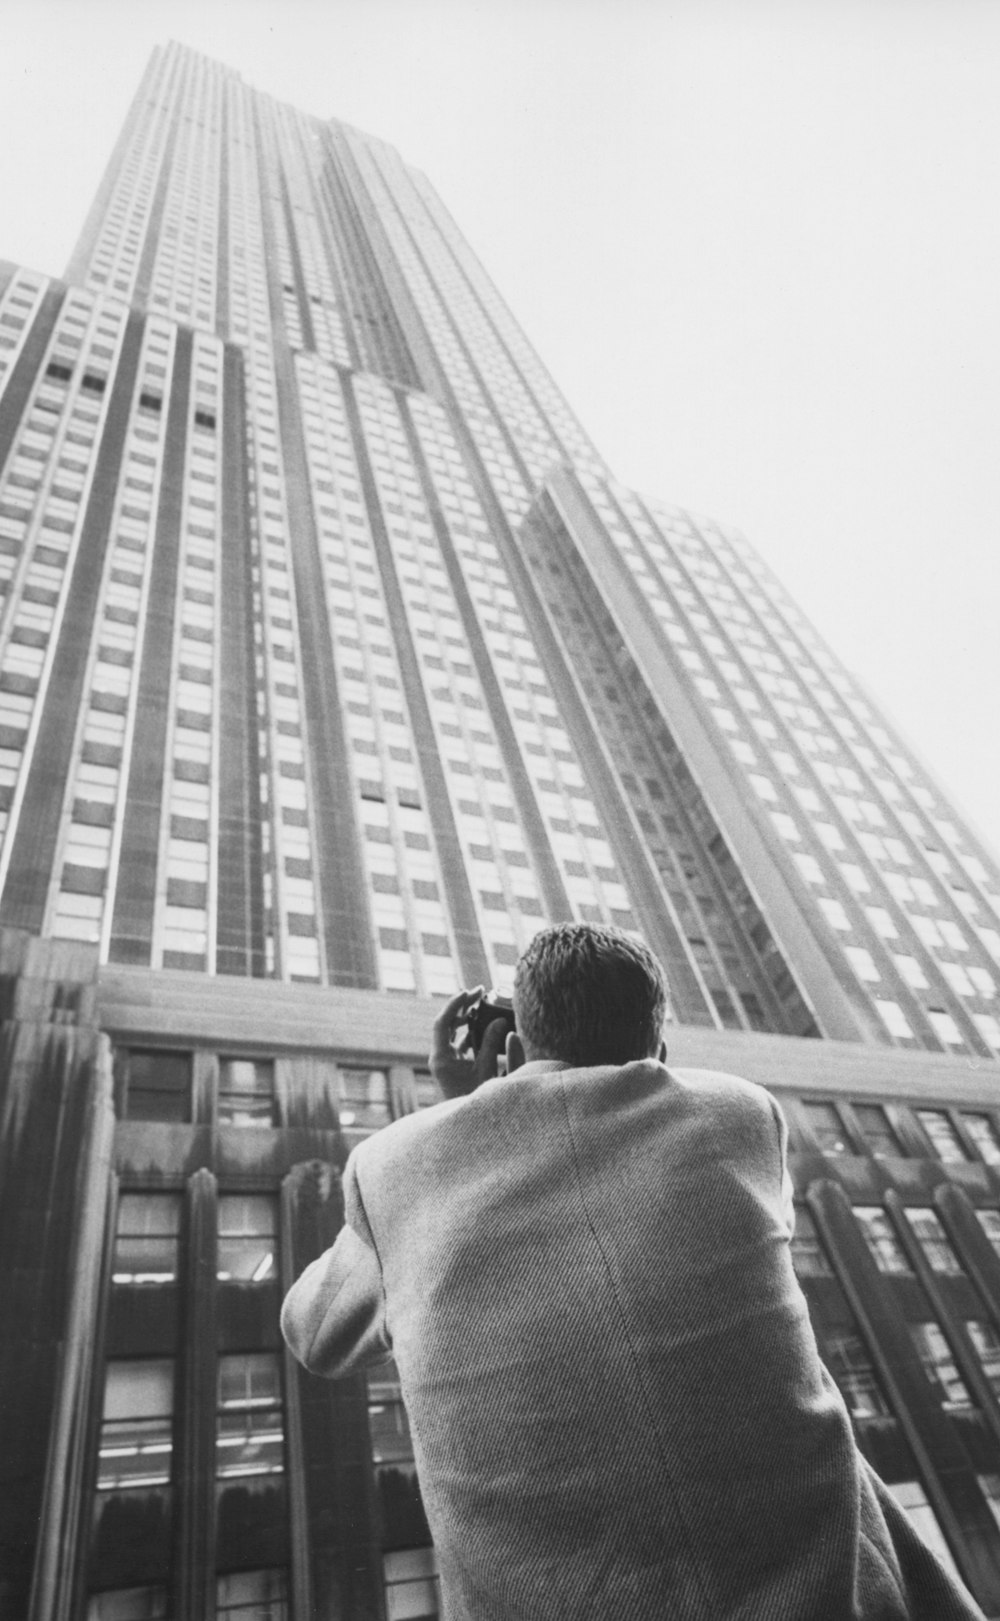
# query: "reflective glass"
[[146, 1238], [248, 1232]]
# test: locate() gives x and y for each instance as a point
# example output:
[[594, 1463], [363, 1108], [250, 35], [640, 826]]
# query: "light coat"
[[617, 1405]]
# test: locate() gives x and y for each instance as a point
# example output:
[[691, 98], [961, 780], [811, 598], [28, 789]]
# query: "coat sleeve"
[[333, 1318]]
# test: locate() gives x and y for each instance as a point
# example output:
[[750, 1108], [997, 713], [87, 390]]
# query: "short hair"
[[590, 994]]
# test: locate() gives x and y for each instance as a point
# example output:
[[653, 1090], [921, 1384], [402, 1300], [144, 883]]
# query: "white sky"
[[757, 243]]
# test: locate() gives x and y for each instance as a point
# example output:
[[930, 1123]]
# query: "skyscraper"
[[334, 662]]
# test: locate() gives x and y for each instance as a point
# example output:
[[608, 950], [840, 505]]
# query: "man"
[[582, 1269]]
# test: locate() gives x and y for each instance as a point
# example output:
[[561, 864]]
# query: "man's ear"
[[515, 1051], [662, 1054]]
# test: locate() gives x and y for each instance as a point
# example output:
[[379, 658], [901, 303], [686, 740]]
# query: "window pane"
[[158, 1086], [880, 1235], [939, 1365], [824, 1122], [808, 1256], [412, 1590], [944, 1138], [401, 1510], [934, 1241], [128, 1604], [146, 1238], [984, 1337], [136, 1434], [248, 1232], [854, 1375], [252, 1595], [364, 1099], [989, 1485], [981, 1130], [878, 1134], [246, 1092], [250, 1434], [989, 1221]]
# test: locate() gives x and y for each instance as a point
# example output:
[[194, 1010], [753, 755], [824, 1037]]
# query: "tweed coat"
[[617, 1405]]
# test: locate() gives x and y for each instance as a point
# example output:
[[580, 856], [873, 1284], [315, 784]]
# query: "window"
[[911, 971], [248, 1238], [910, 1495], [835, 914], [146, 1238], [387, 1422], [854, 1375], [137, 1426], [987, 1347], [412, 1589], [945, 1027], [396, 1485], [934, 1242], [989, 1221], [989, 1485], [880, 1236], [945, 1143], [983, 1133], [250, 1431], [808, 1256], [158, 1086], [879, 1136], [862, 962], [939, 1365], [364, 1101], [246, 1092], [893, 1018], [128, 1604], [252, 1595], [824, 1122]]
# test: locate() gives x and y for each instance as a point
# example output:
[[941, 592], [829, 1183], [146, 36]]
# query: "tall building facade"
[[334, 662]]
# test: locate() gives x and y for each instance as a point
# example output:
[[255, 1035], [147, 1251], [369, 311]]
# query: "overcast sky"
[[757, 242]]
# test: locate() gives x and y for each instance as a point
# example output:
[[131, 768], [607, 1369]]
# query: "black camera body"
[[483, 1014]]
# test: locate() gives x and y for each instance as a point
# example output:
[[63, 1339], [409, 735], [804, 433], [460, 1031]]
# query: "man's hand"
[[457, 1070]]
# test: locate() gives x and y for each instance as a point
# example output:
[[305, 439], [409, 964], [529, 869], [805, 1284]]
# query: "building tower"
[[334, 662]]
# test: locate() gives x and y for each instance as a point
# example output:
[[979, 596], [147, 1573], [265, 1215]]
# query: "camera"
[[487, 1009]]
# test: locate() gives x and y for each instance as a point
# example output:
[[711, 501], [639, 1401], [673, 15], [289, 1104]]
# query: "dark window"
[[945, 1142], [808, 1255], [137, 1426], [95, 384], [887, 1251], [934, 1241], [250, 1430], [252, 1595], [204, 419], [939, 1365], [248, 1238], [411, 1584], [879, 1136], [246, 1092], [826, 1127], [854, 1375], [364, 1101], [158, 1086], [989, 1221], [146, 1238], [987, 1347], [150, 402], [402, 1515], [983, 1133], [128, 1604]]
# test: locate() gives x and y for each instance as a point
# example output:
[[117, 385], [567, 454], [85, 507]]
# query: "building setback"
[[334, 663]]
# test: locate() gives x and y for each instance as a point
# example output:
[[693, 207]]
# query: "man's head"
[[589, 994]]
